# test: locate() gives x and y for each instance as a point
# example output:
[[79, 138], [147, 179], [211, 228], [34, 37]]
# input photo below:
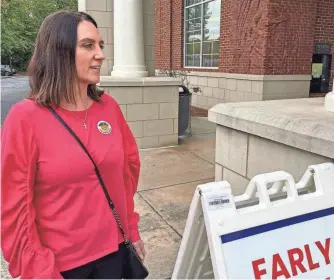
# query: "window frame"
[[185, 7]]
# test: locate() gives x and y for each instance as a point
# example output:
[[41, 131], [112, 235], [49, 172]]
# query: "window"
[[202, 33]]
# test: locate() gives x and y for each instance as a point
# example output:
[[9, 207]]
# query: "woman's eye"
[[88, 46], [102, 47]]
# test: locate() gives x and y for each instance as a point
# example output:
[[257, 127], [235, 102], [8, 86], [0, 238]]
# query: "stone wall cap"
[[251, 77], [302, 123], [109, 81]]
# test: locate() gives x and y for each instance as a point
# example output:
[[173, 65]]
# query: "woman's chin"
[[93, 81]]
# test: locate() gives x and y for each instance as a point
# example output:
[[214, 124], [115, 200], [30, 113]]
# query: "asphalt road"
[[13, 89]]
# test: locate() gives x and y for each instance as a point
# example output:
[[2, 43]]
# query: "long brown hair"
[[52, 71]]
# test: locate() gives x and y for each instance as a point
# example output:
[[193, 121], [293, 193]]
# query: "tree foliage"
[[20, 21]]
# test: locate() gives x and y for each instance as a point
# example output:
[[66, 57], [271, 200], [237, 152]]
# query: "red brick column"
[[290, 37], [243, 36], [177, 34], [169, 34], [162, 33], [273, 37]]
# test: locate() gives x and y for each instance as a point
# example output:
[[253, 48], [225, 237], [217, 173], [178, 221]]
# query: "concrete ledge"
[[211, 88], [251, 77], [300, 123], [231, 149], [108, 81], [268, 156], [261, 156], [259, 137]]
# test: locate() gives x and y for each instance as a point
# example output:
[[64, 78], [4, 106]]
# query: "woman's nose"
[[99, 55]]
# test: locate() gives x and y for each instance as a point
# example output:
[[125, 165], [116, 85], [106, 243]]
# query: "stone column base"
[[150, 105], [211, 88], [124, 71]]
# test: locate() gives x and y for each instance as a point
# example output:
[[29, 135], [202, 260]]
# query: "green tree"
[[20, 21]]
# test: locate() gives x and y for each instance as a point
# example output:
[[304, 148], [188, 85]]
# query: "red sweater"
[[55, 215]]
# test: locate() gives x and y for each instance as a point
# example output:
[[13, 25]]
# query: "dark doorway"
[[321, 72]]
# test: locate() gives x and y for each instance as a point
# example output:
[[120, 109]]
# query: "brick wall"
[[257, 36], [272, 37], [324, 27], [290, 37], [243, 36], [169, 34], [177, 34], [163, 10]]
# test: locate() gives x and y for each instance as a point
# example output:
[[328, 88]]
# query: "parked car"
[[7, 71]]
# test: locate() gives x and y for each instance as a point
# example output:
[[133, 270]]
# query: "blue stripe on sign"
[[275, 225]]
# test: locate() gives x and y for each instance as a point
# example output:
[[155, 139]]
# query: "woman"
[[56, 222]]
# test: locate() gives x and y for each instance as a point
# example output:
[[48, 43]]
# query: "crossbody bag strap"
[[111, 204]]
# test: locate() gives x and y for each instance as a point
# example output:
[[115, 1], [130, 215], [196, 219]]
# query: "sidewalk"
[[168, 179]]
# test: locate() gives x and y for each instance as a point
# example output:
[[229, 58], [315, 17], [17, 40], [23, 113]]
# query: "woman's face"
[[89, 56]]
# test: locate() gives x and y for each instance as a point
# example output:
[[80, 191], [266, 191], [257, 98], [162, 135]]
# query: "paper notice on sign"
[[316, 70], [219, 201]]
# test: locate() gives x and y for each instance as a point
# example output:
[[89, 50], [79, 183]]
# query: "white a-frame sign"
[[277, 229]]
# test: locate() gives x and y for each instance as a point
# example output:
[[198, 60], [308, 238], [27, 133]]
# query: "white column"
[[129, 59], [329, 100]]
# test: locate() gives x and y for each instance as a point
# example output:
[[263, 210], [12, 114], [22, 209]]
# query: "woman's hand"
[[139, 246]]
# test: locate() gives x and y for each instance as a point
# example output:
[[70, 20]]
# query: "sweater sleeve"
[[131, 177], [20, 243]]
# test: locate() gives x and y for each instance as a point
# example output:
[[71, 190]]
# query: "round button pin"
[[104, 127]]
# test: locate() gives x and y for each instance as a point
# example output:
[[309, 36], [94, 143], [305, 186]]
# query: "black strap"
[[111, 204]]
